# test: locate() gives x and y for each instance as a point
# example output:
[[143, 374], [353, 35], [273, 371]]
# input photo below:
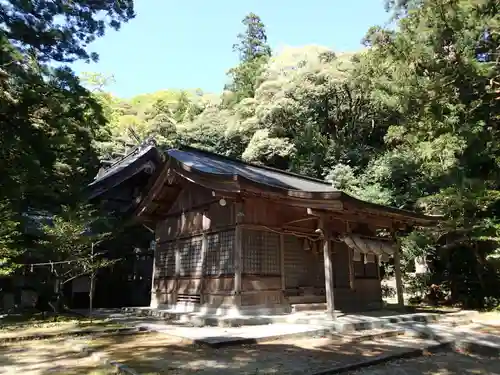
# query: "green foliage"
[[254, 52], [50, 122], [8, 240], [410, 121], [51, 40], [73, 239], [434, 75], [50, 119]]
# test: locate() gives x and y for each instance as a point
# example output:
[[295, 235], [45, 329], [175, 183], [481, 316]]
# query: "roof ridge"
[[133, 151], [265, 167]]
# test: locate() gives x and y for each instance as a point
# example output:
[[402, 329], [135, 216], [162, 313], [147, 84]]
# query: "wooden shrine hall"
[[248, 239]]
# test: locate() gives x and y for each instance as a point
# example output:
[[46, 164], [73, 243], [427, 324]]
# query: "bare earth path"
[[437, 364], [161, 354], [45, 357]]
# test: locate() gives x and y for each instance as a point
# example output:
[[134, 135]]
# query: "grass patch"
[[33, 324], [40, 320]]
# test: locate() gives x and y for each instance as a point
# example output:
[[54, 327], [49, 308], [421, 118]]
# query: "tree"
[[434, 73], [254, 52], [409, 121], [252, 44], [49, 121], [8, 239], [70, 243]]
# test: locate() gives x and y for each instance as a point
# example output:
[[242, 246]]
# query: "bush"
[[388, 291]]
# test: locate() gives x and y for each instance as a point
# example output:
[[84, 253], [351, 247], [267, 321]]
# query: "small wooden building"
[[232, 236], [116, 189]]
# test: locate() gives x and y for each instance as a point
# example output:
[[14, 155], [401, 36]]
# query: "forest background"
[[410, 121]]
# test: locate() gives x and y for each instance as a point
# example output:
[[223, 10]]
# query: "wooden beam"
[[192, 208], [399, 278], [204, 249], [331, 205], [238, 255], [351, 268], [355, 217], [177, 256], [153, 301], [155, 189], [282, 261], [329, 281]]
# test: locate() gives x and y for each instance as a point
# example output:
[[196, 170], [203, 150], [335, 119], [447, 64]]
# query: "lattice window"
[[220, 252], [261, 254], [227, 252], [165, 260], [190, 256], [212, 261]]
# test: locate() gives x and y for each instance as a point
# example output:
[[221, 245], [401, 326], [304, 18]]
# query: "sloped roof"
[[134, 162], [134, 155], [291, 185], [207, 162]]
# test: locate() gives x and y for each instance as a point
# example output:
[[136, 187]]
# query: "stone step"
[[343, 323], [456, 318], [368, 335], [298, 307]]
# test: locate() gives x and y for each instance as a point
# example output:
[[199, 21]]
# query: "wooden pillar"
[[351, 269], [350, 252], [153, 301], [238, 255], [329, 281], [282, 261], [204, 249], [177, 271], [399, 279]]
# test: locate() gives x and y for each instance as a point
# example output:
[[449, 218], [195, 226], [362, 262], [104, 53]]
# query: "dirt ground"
[[491, 330], [53, 328], [160, 354], [46, 357], [437, 364]]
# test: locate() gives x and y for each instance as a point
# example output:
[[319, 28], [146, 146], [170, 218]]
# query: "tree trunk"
[[57, 302], [91, 294]]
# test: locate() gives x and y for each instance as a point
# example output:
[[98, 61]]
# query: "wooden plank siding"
[[277, 267], [195, 217]]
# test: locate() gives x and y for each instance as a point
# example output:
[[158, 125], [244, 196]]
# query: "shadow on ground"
[[159, 354], [46, 357]]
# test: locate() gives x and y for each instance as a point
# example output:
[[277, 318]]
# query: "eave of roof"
[[210, 163], [130, 165], [235, 173]]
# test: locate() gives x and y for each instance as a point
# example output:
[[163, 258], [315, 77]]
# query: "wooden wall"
[[261, 269], [356, 285], [195, 211], [205, 271], [272, 214], [275, 267]]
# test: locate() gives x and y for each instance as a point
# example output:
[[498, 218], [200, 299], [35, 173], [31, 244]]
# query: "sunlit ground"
[[160, 354], [46, 357]]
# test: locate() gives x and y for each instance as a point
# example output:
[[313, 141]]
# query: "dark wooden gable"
[[119, 186]]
